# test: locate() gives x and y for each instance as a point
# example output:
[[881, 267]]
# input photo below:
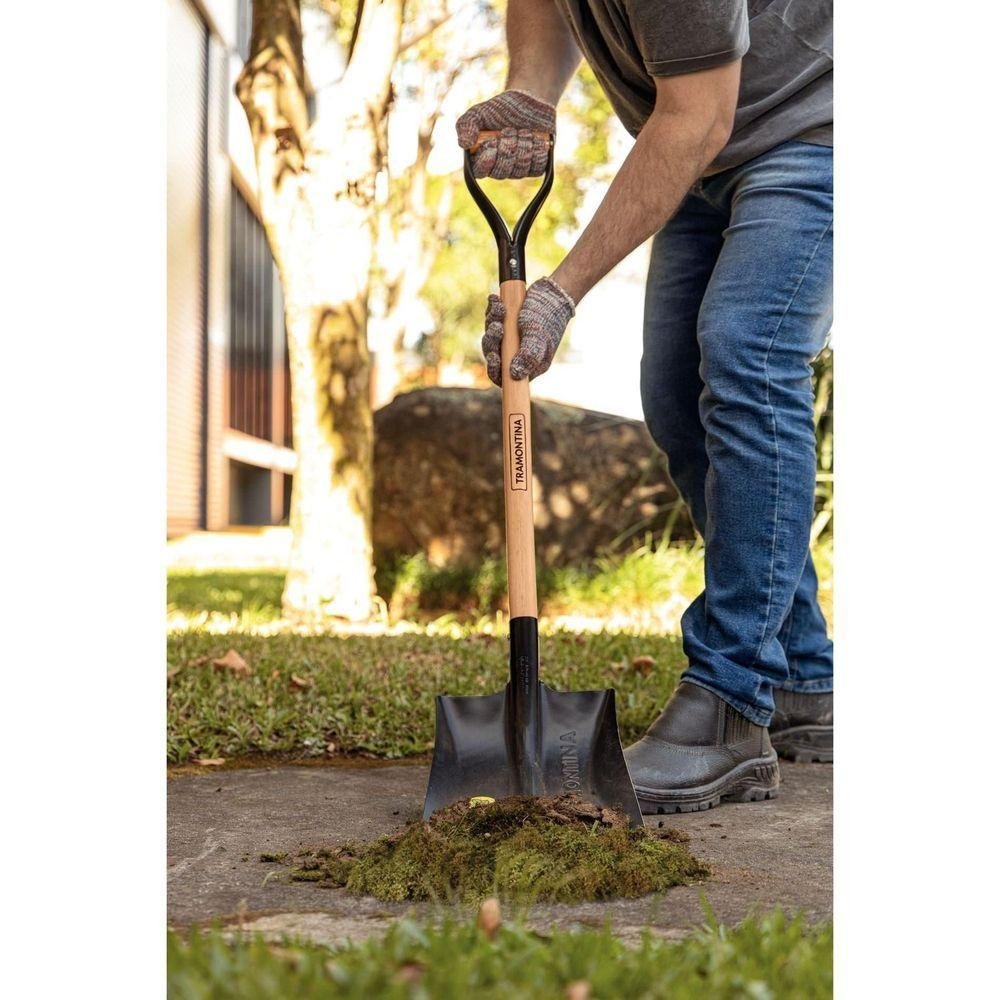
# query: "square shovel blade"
[[569, 745]]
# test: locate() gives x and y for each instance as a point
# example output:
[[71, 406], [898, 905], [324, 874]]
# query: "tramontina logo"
[[570, 761], [518, 457]]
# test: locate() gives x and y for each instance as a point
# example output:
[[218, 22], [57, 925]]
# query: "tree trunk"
[[316, 195], [330, 572], [409, 239]]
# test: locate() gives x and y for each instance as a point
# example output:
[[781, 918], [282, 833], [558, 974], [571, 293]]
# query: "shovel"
[[527, 739]]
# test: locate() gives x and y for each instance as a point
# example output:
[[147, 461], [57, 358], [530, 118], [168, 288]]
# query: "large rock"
[[600, 483]]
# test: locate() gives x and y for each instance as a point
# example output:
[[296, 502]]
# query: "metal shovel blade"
[[529, 740]]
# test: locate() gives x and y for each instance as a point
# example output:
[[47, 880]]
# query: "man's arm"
[[543, 55], [690, 124]]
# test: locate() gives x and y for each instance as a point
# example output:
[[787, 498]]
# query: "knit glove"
[[541, 323], [519, 151]]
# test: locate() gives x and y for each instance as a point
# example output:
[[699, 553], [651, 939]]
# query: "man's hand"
[[541, 323], [523, 121]]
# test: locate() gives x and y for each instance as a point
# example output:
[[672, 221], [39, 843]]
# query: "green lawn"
[[773, 958], [375, 694], [247, 598], [657, 581]]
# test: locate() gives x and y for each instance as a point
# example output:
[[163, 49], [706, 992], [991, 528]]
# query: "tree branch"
[[354, 30], [378, 29], [418, 36], [271, 88]]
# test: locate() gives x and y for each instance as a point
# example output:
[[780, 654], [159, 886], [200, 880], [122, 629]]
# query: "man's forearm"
[[543, 54], [670, 154]]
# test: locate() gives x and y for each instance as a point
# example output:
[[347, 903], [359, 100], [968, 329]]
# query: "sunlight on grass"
[[646, 590]]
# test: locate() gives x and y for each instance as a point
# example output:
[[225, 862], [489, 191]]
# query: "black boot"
[[802, 726], [700, 752]]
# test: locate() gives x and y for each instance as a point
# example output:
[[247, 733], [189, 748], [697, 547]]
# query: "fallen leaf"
[[488, 920], [171, 674], [332, 749], [643, 664], [231, 661], [300, 683], [410, 973], [199, 661], [211, 761]]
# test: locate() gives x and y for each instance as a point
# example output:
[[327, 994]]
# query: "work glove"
[[519, 151], [541, 323]]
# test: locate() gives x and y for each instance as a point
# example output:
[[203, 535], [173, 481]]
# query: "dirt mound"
[[549, 849]]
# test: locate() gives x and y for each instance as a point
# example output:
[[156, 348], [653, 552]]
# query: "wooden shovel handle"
[[518, 507], [487, 134]]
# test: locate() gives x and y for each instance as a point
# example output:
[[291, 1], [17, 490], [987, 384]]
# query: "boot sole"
[[805, 744], [752, 781]]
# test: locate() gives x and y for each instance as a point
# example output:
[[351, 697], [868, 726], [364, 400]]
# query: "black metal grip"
[[510, 245]]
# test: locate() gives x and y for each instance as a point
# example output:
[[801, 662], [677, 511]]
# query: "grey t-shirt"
[[786, 86]]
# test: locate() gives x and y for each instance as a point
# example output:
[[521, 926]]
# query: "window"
[[255, 326]]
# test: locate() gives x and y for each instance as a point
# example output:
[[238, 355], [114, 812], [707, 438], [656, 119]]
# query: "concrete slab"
[[762, 854]]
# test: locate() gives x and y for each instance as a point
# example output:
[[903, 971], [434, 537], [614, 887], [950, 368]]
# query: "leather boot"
[[802, 726], [701, 752]]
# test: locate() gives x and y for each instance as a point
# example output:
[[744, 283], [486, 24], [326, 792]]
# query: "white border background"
[[83, 484]]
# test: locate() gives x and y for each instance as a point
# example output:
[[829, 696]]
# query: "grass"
[[247, 598], [375, 694], [772, 958], [648, 586], [530, 850]]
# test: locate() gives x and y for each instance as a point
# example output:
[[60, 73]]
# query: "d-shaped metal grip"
[[510, 245]]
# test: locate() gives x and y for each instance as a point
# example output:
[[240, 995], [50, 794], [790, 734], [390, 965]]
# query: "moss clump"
[[560, 849]]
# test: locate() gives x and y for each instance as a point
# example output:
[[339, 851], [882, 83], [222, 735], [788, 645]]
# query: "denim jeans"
[[738, 303]]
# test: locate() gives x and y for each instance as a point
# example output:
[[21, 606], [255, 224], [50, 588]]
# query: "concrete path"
[[762, 854]]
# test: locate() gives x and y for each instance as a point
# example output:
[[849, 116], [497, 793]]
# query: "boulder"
[[600, 484]]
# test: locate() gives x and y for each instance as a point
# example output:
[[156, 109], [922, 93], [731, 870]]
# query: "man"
[[731, 105]]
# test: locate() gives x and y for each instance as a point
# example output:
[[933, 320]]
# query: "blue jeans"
[[738, 303]]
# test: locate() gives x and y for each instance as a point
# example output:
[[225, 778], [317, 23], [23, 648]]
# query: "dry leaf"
[[489, 917], [580, 990], [232, 661], [643, 665], [300, 683], [171, 674], [199, 661], [332, 749], [410, 973], [211, 761]]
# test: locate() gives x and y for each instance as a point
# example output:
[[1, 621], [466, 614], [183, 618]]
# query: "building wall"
[[187, 50], [218, 319], [220, 471]]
